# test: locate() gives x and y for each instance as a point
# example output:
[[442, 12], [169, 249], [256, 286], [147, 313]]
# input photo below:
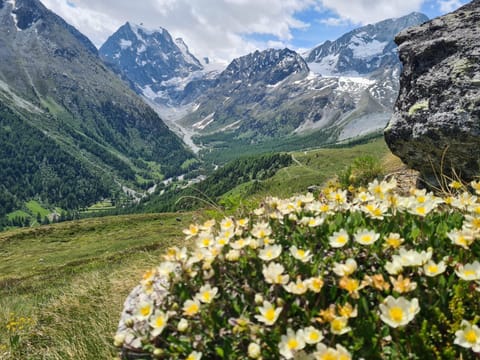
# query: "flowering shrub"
[[361, 274]]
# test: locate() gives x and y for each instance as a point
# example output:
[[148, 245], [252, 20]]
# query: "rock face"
[[436, 125]]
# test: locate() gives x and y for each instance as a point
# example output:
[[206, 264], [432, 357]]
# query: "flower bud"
[[254, 350], [158, 352], [119, 339], [258, 299], [182, 325]]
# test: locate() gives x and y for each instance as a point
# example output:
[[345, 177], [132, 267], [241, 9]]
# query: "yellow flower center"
[[421, 210], [393, 242], [206, 242], [270, 314], [396, 313], [314, 336], [317, 284], [351, 285], [160, 321], [324, 208], [292, 344], [469, 272], [329, 356], [192, 309], [338, 324], [471, 336], [366, 239], [342, 239], [300, 253], [145, 310], [433, 269], [207, 296]]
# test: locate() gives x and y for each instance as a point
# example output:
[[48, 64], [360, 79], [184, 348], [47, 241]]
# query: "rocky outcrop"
[[436, 125]]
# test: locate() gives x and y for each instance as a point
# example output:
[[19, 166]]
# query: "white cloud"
[[449, 5], [333, 21], [210, 28], [368, 11]]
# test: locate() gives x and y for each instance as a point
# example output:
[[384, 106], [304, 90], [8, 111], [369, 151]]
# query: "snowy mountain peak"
[[148, 57], [363, 50]]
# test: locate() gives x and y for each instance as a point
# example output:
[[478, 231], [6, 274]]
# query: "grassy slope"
[[312, 167], [71, 278]]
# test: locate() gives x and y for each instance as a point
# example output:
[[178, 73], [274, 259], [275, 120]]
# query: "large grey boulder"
[[436, 124]]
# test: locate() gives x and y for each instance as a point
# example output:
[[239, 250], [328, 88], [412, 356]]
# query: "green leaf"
[[220, 352]]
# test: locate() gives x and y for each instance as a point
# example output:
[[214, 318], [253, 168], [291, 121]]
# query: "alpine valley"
[[274, 99], [80, 125], [71, 131]]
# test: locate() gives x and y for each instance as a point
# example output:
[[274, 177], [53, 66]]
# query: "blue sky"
[[225, 29]]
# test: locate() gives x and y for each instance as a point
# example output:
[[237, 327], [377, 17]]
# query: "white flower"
[[270, 252], [398, 312], [299, 254], [268, 313], [345, 269], [468, 336], [338, 239], [158, 322], [204, 240], [316, 221], [312, 335], [394, 267], [366, 237], [315, 284], [240, 243], [414, 258], [375, 210], [206, 294], [299, 287], [291, 342], [463, 238], [393, 240], [191, 231], [432, 269], [469, 272], [191, 307], [327, 353], [339, 325], [144, 310], [194, 355], [273, 274], [261, 230], [254, 350], [233, 255], [227, 224]]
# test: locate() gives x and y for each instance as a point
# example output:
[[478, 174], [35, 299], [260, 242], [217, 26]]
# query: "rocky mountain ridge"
[[364, 50], [277, 93]]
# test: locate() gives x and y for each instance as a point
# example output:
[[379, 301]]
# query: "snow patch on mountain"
[[125, 44], [364, 49], [207, 120]]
